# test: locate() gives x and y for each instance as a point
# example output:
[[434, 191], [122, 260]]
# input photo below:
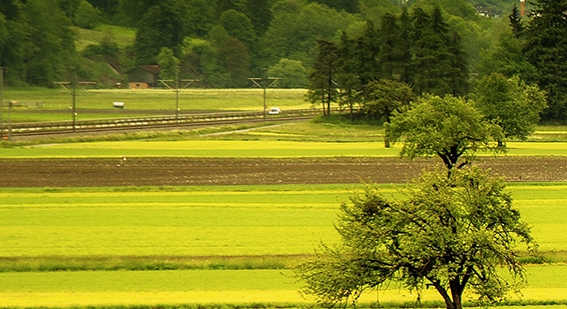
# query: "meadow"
[[98, 103], [207, 245]]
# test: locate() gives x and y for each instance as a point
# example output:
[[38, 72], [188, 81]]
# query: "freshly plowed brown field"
[[230, 171]]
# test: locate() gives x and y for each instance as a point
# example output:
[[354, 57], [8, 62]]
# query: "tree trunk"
[[456, 294]]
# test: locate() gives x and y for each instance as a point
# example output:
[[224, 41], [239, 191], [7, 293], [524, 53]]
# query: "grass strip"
[[146, 263], [159, 263]]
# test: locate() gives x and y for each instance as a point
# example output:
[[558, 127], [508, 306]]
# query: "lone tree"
[[447, 127], [452, 233]]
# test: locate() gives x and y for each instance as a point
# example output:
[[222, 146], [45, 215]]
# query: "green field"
[[121, 35], [98, 103], [235, 148], [50, 225], [202, 221]]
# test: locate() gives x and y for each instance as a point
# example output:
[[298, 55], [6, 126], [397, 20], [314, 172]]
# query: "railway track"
[[169, 122]]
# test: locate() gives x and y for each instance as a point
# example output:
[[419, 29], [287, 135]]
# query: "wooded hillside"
[[224, 42]]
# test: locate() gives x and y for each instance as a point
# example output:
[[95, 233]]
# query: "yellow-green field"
[[236, 148], [201, 221], [64, 289]]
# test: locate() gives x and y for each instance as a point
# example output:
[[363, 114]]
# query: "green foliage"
[[439, 64], [239, 26], [234, 61], [448, 127], [48, 41], [168, 63], [510, 103], [346, 5], [323, 88], [395, 55], [451, 233], [163, 25], [261, 15], [386, 96], [546, 49], [293, 73], [87, 16], [507, 58], [296, 27]]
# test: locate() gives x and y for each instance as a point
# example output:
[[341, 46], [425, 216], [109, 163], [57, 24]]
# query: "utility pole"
[[73, 92], [264, 83], [2, 103], [176, 89]]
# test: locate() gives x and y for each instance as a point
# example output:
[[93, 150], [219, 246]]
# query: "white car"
[[274, 111]]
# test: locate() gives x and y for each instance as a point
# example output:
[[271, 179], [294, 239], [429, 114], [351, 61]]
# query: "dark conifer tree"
[[516, 22], [405, 46], [458, 75], [394, 49], [439, 63], [349, 83], [323, 85], [546, 49], [365, 55]]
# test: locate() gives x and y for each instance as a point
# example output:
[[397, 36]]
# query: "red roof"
[[151, 68]]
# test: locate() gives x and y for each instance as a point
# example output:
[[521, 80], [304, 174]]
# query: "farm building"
[[144, 77]]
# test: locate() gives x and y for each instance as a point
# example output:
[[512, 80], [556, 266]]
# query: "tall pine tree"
[[546, 49], [439, 63], [394, 55], [323, 84]]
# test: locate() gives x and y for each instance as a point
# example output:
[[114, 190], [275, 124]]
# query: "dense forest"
[[224, 42]]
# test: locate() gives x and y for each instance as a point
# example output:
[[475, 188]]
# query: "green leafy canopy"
[[448, 127], [451, 233]]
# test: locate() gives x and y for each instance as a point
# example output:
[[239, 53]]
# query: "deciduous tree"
[[511, 103], [292, 73], [507, 58], [448, 127], [451, 233], [384, 97], [163, 25], [234, 60], [169, 64], [239, 26]]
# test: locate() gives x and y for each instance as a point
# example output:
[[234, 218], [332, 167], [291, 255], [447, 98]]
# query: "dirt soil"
[[222, 171]]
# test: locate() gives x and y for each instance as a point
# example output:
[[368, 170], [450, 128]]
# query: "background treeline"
[[224, 42]]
